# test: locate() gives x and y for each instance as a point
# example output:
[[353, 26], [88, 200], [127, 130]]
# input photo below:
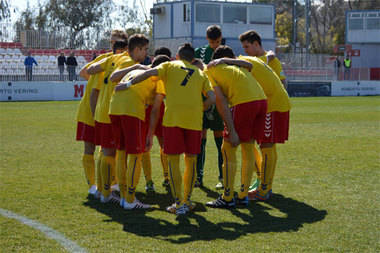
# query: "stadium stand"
[[12, 56]]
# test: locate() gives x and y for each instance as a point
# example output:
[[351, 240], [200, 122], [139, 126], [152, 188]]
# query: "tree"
[[4, 9], [26, 20], [327, 24], [75, 16]]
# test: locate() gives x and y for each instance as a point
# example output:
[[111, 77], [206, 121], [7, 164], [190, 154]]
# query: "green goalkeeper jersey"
[[204, 53]]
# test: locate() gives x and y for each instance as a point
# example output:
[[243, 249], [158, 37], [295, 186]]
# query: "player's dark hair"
[[250, 36], [137, 40], [186, 52], [163, 51], [121, 34], [119, 45], [160, 59], [223, 51], [214, 32]]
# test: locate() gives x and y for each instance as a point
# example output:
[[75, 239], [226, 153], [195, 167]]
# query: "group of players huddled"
[[242, 99]]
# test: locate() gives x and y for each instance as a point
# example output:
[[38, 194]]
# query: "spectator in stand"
[[28, 62], [337, 65], [61, 65], [94, 56], [71, 63]]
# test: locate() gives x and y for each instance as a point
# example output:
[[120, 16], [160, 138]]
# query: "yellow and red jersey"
[[184, 84], [106, 88], [133, 101], [84, 113], [278, 99], [275, 64], [237, 84]]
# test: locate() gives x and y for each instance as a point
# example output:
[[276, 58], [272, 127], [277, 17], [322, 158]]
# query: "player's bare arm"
[[231, 61], [139, 78], [119, 74], [154, 116], [224, 111], [83, 73], [209, 101], [96, 68], [93, 100]]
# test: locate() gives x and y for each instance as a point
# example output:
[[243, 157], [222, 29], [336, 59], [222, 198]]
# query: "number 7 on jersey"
[[187, 77]]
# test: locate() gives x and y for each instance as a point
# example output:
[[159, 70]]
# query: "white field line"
[[49, 232]]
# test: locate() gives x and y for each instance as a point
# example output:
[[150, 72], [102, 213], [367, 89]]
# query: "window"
[[373, 23], [186, 13], [208, 13], [356, 24], [260, 15], [356, 15], [234, 14], [372, 15]]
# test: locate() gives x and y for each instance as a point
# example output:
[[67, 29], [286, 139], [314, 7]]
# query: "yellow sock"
[[258, 159], [271, 176], [189, 176], [164, 163], [107, 165], [229, 170], [114, 177], [98, 172], [147, 166], [175, 178], [89, 169], [121, 170], [247, 168], [268, 166], [133, 175]]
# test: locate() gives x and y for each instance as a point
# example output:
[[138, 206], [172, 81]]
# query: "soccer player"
[[276, 122], [146, 161], [85, 119], [127, 112], [182, 123], [103, 128], [163, 51], [277, 119], [251, 42], [244, 123], [211, 118]]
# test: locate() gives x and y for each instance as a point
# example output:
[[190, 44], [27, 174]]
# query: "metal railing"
[[326, 74]]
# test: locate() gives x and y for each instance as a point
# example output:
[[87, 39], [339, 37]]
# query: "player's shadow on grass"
[[259, 220]]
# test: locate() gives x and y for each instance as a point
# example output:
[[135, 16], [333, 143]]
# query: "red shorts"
[[158, 131], [104, 135], [129, 133], [249, 120], [85, 132], [179, 140], [276, 128]]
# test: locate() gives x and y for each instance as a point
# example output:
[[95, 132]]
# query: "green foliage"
[[4, 9], [77, 15], [326, 188]]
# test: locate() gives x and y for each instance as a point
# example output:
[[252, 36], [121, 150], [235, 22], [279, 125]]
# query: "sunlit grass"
[[326, 184]]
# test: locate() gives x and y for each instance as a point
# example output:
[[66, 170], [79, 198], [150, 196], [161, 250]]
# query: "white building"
[[363, 33], [176, 22]]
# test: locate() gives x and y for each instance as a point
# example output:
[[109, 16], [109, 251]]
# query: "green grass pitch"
[[327, 190]]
